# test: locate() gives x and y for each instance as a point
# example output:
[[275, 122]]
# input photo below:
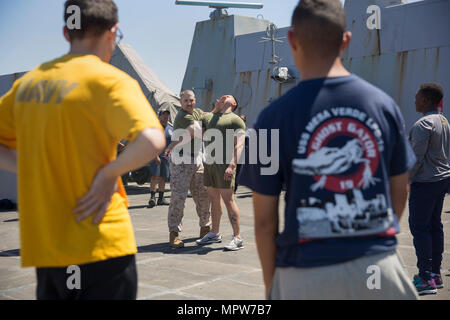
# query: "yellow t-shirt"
[[65, 119]]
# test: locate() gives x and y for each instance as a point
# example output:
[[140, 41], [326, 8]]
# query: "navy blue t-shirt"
[[340, 139]]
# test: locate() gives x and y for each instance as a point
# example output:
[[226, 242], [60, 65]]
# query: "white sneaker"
[[210, 237], [235, 244]]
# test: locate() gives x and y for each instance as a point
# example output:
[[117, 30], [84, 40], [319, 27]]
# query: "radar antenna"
[[220, 6]]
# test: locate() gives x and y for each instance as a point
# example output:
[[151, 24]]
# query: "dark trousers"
[[112, 279], [425, 208]]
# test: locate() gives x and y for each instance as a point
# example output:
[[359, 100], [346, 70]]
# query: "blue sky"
[[160, 32]]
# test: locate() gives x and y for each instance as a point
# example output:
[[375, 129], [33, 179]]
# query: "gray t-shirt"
[[430, 140]]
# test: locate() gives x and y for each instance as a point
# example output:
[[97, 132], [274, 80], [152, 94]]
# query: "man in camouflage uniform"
[[189, 175]]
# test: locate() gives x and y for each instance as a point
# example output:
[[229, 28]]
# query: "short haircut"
[[188, 92], [162, 111], [433, 92], [319, 26], [97, 16]]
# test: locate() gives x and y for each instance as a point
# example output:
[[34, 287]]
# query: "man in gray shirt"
[[430, 180]]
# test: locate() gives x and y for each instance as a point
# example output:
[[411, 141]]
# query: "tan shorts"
[[214, 176], [353, 280]]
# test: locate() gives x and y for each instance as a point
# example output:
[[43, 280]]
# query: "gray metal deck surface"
[[192, 272]]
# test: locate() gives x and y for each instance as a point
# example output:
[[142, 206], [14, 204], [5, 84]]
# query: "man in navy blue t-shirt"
[[344, 158]]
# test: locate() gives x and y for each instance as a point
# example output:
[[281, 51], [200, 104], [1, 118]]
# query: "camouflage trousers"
[[184, 177]]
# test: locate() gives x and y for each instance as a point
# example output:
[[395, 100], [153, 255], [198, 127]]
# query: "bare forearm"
[[184, 139], [266, 228], [8, 159], [142, 150], [237, 155], [265, 243], [399, 203], [238, 148], [172, 145], [399, 193]]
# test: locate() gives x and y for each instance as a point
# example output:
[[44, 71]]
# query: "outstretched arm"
[[194, 130]]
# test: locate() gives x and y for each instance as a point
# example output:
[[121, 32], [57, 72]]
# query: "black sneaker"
[[152, 202]]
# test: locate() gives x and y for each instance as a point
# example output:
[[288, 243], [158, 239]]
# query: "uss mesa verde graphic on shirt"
[[340, 149]]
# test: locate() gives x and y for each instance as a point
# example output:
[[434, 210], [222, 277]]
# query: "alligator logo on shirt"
[[337, 147], [340, 150]]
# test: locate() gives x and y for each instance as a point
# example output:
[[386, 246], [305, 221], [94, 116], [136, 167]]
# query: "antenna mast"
[[271, 33]]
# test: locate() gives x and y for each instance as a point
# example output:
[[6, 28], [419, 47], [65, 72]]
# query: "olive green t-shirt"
[[222, 122], [184, 120]]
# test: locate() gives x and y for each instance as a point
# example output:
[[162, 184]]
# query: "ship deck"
[[193, 272]]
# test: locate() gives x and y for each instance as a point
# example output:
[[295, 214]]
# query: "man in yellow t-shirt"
[[65, 119]]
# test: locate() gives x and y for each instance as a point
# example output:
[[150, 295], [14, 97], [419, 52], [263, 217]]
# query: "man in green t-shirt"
[[189, 174], [220, 167]]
